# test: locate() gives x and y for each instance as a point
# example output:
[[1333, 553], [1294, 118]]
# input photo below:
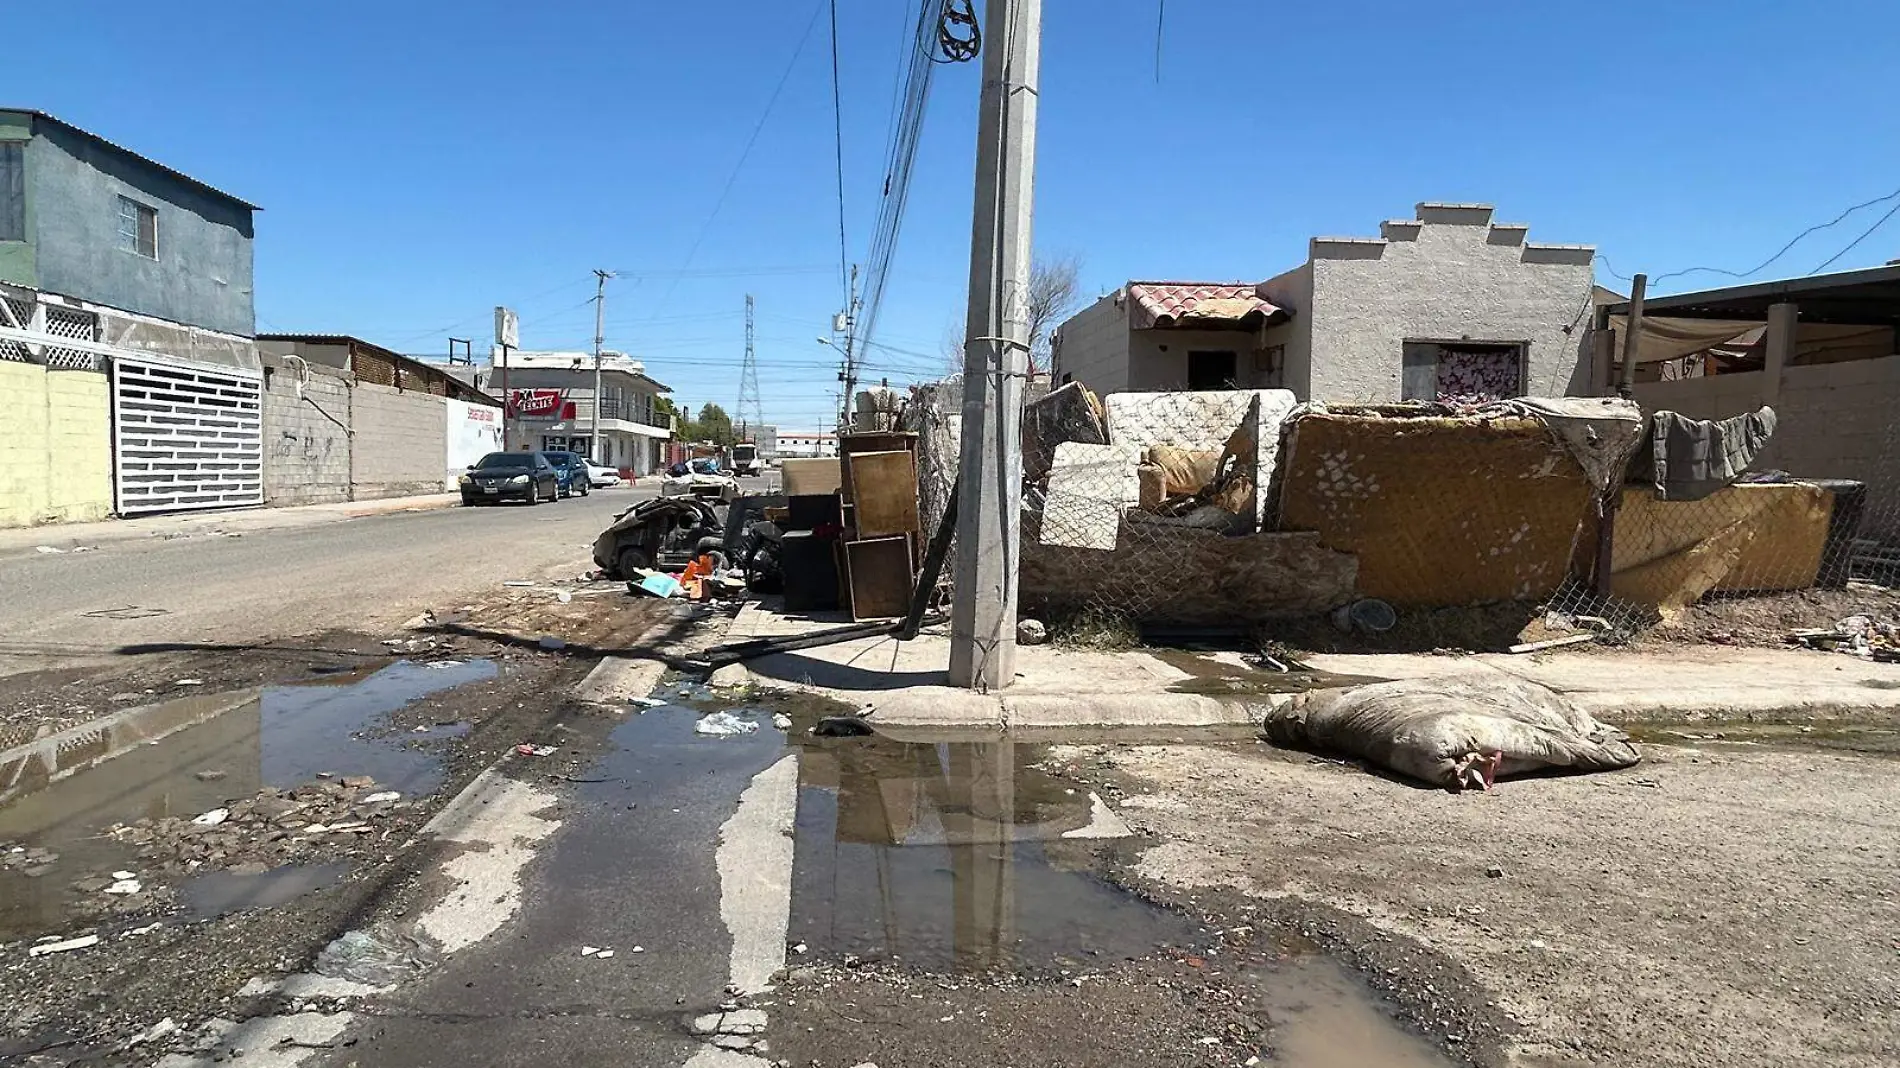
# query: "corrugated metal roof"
[[116, 147], [1178, 303]]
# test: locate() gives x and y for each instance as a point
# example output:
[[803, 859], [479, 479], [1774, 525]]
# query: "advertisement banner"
[[539, 404], [474, 431]]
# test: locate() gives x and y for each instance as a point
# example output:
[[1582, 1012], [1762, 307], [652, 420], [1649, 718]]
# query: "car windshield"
[[504, 461]]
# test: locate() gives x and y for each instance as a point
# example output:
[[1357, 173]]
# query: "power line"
[[1792, 242], [753, 139], [837, 141], [1864, 236]]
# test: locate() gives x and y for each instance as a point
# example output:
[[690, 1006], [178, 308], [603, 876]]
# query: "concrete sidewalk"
[[67, 536], [1131, 691]]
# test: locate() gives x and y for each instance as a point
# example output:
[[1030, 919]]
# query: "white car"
[[600, 475], [700, 478]]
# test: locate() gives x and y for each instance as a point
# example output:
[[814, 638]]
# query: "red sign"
[[540, 404]]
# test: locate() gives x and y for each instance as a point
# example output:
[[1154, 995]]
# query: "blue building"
[[83, 217]]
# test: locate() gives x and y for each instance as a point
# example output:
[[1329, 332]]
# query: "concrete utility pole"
[[996, 349], [600, 338], [850, 375]]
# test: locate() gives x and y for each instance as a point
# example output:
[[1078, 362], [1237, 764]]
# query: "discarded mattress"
[[1454, 733]]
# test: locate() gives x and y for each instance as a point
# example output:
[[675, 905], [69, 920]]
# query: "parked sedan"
[[510, 476], [601, 476], [572, 467]]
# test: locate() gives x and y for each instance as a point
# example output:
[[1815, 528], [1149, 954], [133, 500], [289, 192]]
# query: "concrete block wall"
[[1093, 346], [400, 441], [306, 439], [55, 446], [1834, 420]]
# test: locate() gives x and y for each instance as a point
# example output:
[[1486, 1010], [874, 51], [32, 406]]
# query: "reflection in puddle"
[[216, 893], [1324, 1018], [282, 736], [958, 855]]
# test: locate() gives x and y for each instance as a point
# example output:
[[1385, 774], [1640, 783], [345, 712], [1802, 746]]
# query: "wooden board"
[[852, 445], [808, 475], [884, 493], [878, 571]]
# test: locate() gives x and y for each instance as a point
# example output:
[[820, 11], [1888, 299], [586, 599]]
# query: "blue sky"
[[420, 162]]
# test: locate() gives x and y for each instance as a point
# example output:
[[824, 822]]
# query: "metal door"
[[185, 435]]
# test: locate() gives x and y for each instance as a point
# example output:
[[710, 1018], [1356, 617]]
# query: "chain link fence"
[[1426, 526]]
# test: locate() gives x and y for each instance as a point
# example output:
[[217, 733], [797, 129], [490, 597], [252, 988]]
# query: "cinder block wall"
[[400, 443], [55, 446], [1834, 420], [306, 439]]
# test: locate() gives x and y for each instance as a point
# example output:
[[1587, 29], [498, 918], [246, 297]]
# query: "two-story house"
[[111, 262], [550, 398]]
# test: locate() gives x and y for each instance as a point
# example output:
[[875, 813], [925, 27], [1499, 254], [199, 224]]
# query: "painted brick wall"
[[55, 446], [306, 439], [400, 442], [1834, 420], [1093, 347]]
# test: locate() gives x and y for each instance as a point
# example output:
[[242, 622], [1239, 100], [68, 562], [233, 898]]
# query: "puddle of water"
[[1864, 739], [218, 893], [1324, 1018], [282, 737], [958, 855], [1215, 677]]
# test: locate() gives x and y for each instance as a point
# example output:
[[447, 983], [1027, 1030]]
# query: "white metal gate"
[[185, 435]]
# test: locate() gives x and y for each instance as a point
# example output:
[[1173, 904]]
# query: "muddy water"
[[282, 737], [1325, 1018], [217, 893]]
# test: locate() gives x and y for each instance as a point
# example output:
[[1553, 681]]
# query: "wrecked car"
[[665, 532], [701, 479]]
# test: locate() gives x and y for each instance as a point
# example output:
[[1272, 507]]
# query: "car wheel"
[[587, 487], [630, 559]]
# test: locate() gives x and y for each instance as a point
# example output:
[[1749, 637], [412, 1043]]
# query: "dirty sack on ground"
[[1454, 733]]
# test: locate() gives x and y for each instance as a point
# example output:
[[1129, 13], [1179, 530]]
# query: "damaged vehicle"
[[665, 533], [699, 479]]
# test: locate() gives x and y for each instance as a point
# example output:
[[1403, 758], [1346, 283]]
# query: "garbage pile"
[[1861, 636], [1458, 733]]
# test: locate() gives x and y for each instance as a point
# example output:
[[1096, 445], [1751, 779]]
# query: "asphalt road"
[[362, 573]]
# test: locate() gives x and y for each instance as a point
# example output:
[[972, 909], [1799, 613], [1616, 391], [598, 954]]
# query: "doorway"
[[1208, 369]]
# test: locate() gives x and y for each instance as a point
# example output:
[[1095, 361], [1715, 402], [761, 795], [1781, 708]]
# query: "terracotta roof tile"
[[1175, 303]]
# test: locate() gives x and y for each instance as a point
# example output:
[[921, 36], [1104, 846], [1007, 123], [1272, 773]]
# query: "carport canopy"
[[1849, 302]]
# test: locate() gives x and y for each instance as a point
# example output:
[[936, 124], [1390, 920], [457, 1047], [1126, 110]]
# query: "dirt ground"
[[1767, 619], [1727, 905]]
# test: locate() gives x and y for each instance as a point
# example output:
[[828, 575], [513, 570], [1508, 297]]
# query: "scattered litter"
[[588, 951], [1859, 636], [551, 643], [603, 954], [212, 818], [85, 548], [526, 749], [800, 948], [44, 948], [517, 582], [1368, 615], [646, 702], [189, 682], [563, 596], [147, 929], [154, 1033], [362, 958], [1210, 1040], [210, 775], [440, 664], [124, 875], [782, 721], [125, 886], [724, 725], [1494, 872], [379, 798], [1553, 643], [639, 949], [657, 584], [1031, 632], [866, 712], [47, 549]]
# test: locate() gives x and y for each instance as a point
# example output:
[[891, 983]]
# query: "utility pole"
[[996, 348], [850, 375], [600, 337]]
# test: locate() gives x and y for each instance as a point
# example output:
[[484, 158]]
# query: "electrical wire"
[[1825, 264], [751, 141], [837, 141], [1792, 242]]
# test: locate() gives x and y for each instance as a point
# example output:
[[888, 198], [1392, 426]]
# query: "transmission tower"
[[751, 414]]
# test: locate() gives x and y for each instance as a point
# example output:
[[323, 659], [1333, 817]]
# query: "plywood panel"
[[809, 475], [879, 572], [884, 492]]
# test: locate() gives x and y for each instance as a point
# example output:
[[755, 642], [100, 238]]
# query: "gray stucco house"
[[86, 218], [1448, 304]]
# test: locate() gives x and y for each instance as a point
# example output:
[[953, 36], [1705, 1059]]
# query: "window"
[[138, 228], [12, 190], [1466, 372], [1211, 370]]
